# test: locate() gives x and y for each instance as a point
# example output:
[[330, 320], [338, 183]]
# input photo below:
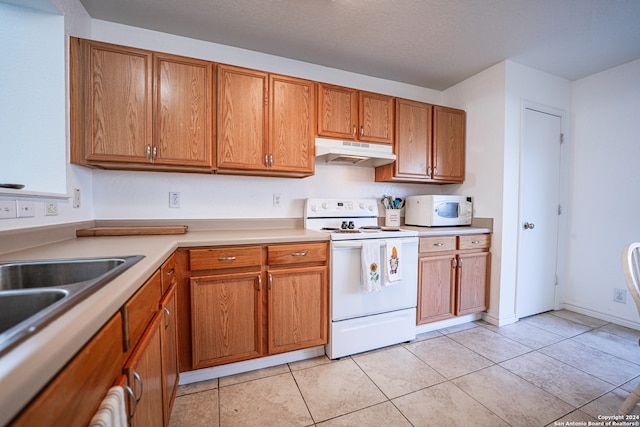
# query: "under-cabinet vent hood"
[[353, 153]]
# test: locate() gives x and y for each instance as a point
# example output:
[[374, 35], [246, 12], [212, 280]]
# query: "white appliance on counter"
[[438, 210], [362, 321]]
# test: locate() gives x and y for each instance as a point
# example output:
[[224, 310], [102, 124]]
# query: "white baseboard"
[[421, 329], [249, 365], [602, 316]]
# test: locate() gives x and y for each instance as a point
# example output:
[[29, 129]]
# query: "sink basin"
[[39, 274], [16, 307], [34, 293]]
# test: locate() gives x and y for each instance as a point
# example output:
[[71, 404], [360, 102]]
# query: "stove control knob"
[[362, 205], [370, 208], [314, 208], [325, 205]]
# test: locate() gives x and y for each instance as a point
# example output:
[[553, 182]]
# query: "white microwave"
[[438, 211]]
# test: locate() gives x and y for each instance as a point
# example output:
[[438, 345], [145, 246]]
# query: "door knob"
[[528, 226]]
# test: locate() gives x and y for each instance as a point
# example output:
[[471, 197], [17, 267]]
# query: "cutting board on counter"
[[131, 231]]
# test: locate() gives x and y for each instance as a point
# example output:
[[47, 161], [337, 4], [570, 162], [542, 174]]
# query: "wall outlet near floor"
[[174, 199], [620, 295]]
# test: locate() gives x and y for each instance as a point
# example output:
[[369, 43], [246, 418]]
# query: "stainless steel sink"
[[34, 293]]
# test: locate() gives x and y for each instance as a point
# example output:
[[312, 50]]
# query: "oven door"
[[347, 297]]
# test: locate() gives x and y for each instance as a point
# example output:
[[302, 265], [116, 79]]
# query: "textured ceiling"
[[429, 43]]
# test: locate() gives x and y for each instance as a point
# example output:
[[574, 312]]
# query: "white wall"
[[605, 190], [483, 98]]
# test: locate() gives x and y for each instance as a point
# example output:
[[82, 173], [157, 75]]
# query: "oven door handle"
[[358, 243]]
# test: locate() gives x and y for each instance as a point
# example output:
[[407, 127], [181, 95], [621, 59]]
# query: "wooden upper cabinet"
[[291, 125], [111, 102], [448, 144], [350, 114], [375, 118], [265, 123], [184, 111], [429, 145], [242, 118], [140, 110]]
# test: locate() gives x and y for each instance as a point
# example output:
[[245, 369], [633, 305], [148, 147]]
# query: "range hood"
[[353, 153]]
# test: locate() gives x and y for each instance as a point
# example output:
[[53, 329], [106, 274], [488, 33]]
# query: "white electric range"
[[360, 320]]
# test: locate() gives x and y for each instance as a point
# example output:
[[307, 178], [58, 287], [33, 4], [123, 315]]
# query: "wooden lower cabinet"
[[169, 339], [471, 281], [226, 313], [144, 377], [297, 309], [453, 276], [253, 301]]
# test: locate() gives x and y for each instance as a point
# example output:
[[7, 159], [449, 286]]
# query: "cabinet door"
[[119, 103], [242, 119], [183, 112], [412, 144], [436, 288], [144, 376], [297, 308], [169, 340], [448, 144], [291, 125], [226, 314], [337, 111], [472, 283], [375, 118]]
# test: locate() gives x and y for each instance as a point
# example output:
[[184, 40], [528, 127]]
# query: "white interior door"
[[539, 205]]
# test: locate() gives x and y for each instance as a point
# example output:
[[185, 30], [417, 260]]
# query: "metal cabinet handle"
[[148, 153], [266, 160], [454, 262], [529, 226], [155, 152], [130, 392], [429, 171], [438, 244], [170, 272], [361, 130], [270, 281], [167, 322], [475, 242], [435, 171], [299, 254], [259, 283], [227, 258], [355, 130], [136, 377]]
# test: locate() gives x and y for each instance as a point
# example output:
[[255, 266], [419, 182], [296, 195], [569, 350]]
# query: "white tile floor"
[[541, 371]]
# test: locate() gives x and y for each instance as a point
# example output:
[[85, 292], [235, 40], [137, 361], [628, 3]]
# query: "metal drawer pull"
[[355, 129], [270, 281], [148, 152], [475, 242], [168, 313], [259, 283], [361, 130], [299, 254], [170, 272], [130, 392], [438, 244], [227, 258]]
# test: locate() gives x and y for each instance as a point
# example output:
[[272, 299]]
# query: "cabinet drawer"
[[474, 241], [230, 257], [169, 272], [297, 254], [437, 244], [140, 309]]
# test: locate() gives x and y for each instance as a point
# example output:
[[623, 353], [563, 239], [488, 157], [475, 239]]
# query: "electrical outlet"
[[26, 209], [620, 295], [76, 197], [51, 208], [277, 200], [8, 209], [174, 199]]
